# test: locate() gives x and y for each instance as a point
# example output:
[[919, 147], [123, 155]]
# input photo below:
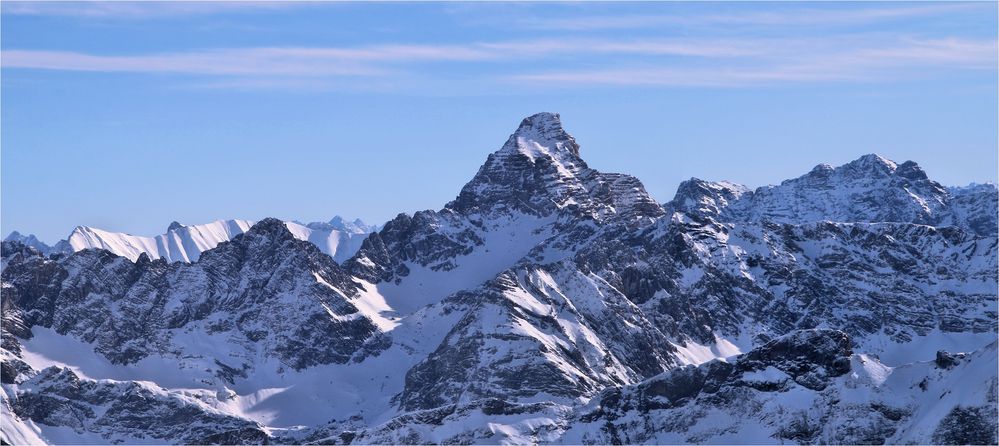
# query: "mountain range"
[[338, 238], [547, 303]]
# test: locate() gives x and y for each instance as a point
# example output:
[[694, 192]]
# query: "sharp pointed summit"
[[542, 133], [538, 171], [870, 165], [531, 173]]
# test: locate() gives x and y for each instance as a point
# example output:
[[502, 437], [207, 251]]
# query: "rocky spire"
[[542, 133], [536, 168]]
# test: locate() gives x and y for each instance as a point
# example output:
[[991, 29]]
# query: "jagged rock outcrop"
[[126, 411], [806, 387], [129, 311]]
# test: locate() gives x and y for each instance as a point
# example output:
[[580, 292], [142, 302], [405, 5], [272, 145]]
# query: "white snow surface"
[[186, 243], [504, 243]]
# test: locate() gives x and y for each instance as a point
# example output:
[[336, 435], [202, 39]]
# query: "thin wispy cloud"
[[794, 17], [306, 85], [347, 60], [981, 54], [663, 62], [912, 59], [236, 62], [674, 77], [645, 47], [371, 60], [139, 9], [263, 61]]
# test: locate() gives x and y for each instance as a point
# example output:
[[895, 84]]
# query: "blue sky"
[[126, 116]]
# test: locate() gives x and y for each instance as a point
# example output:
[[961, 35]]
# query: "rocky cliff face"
[[110, 411], [265, 294], [549, 302], [806, 387]]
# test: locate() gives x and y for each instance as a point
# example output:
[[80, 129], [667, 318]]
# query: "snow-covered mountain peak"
[[705, 197], [869, 169], [180, 243], [34, 242], [866, 169], [538, 172], [272, 228], [357, 226], [185, 243], [871, 188], [872, 163], [976, 185], [822, 169], [911, 171], [533, 172], [542, 135], [875, 161], [531, 188], [15, 236]]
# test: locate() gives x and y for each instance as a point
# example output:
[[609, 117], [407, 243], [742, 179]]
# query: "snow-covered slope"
[[549, 302], [178, 244], [182, 243]]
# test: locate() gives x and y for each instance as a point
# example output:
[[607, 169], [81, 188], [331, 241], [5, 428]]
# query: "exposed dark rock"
[[967, 425], [946, 360]]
